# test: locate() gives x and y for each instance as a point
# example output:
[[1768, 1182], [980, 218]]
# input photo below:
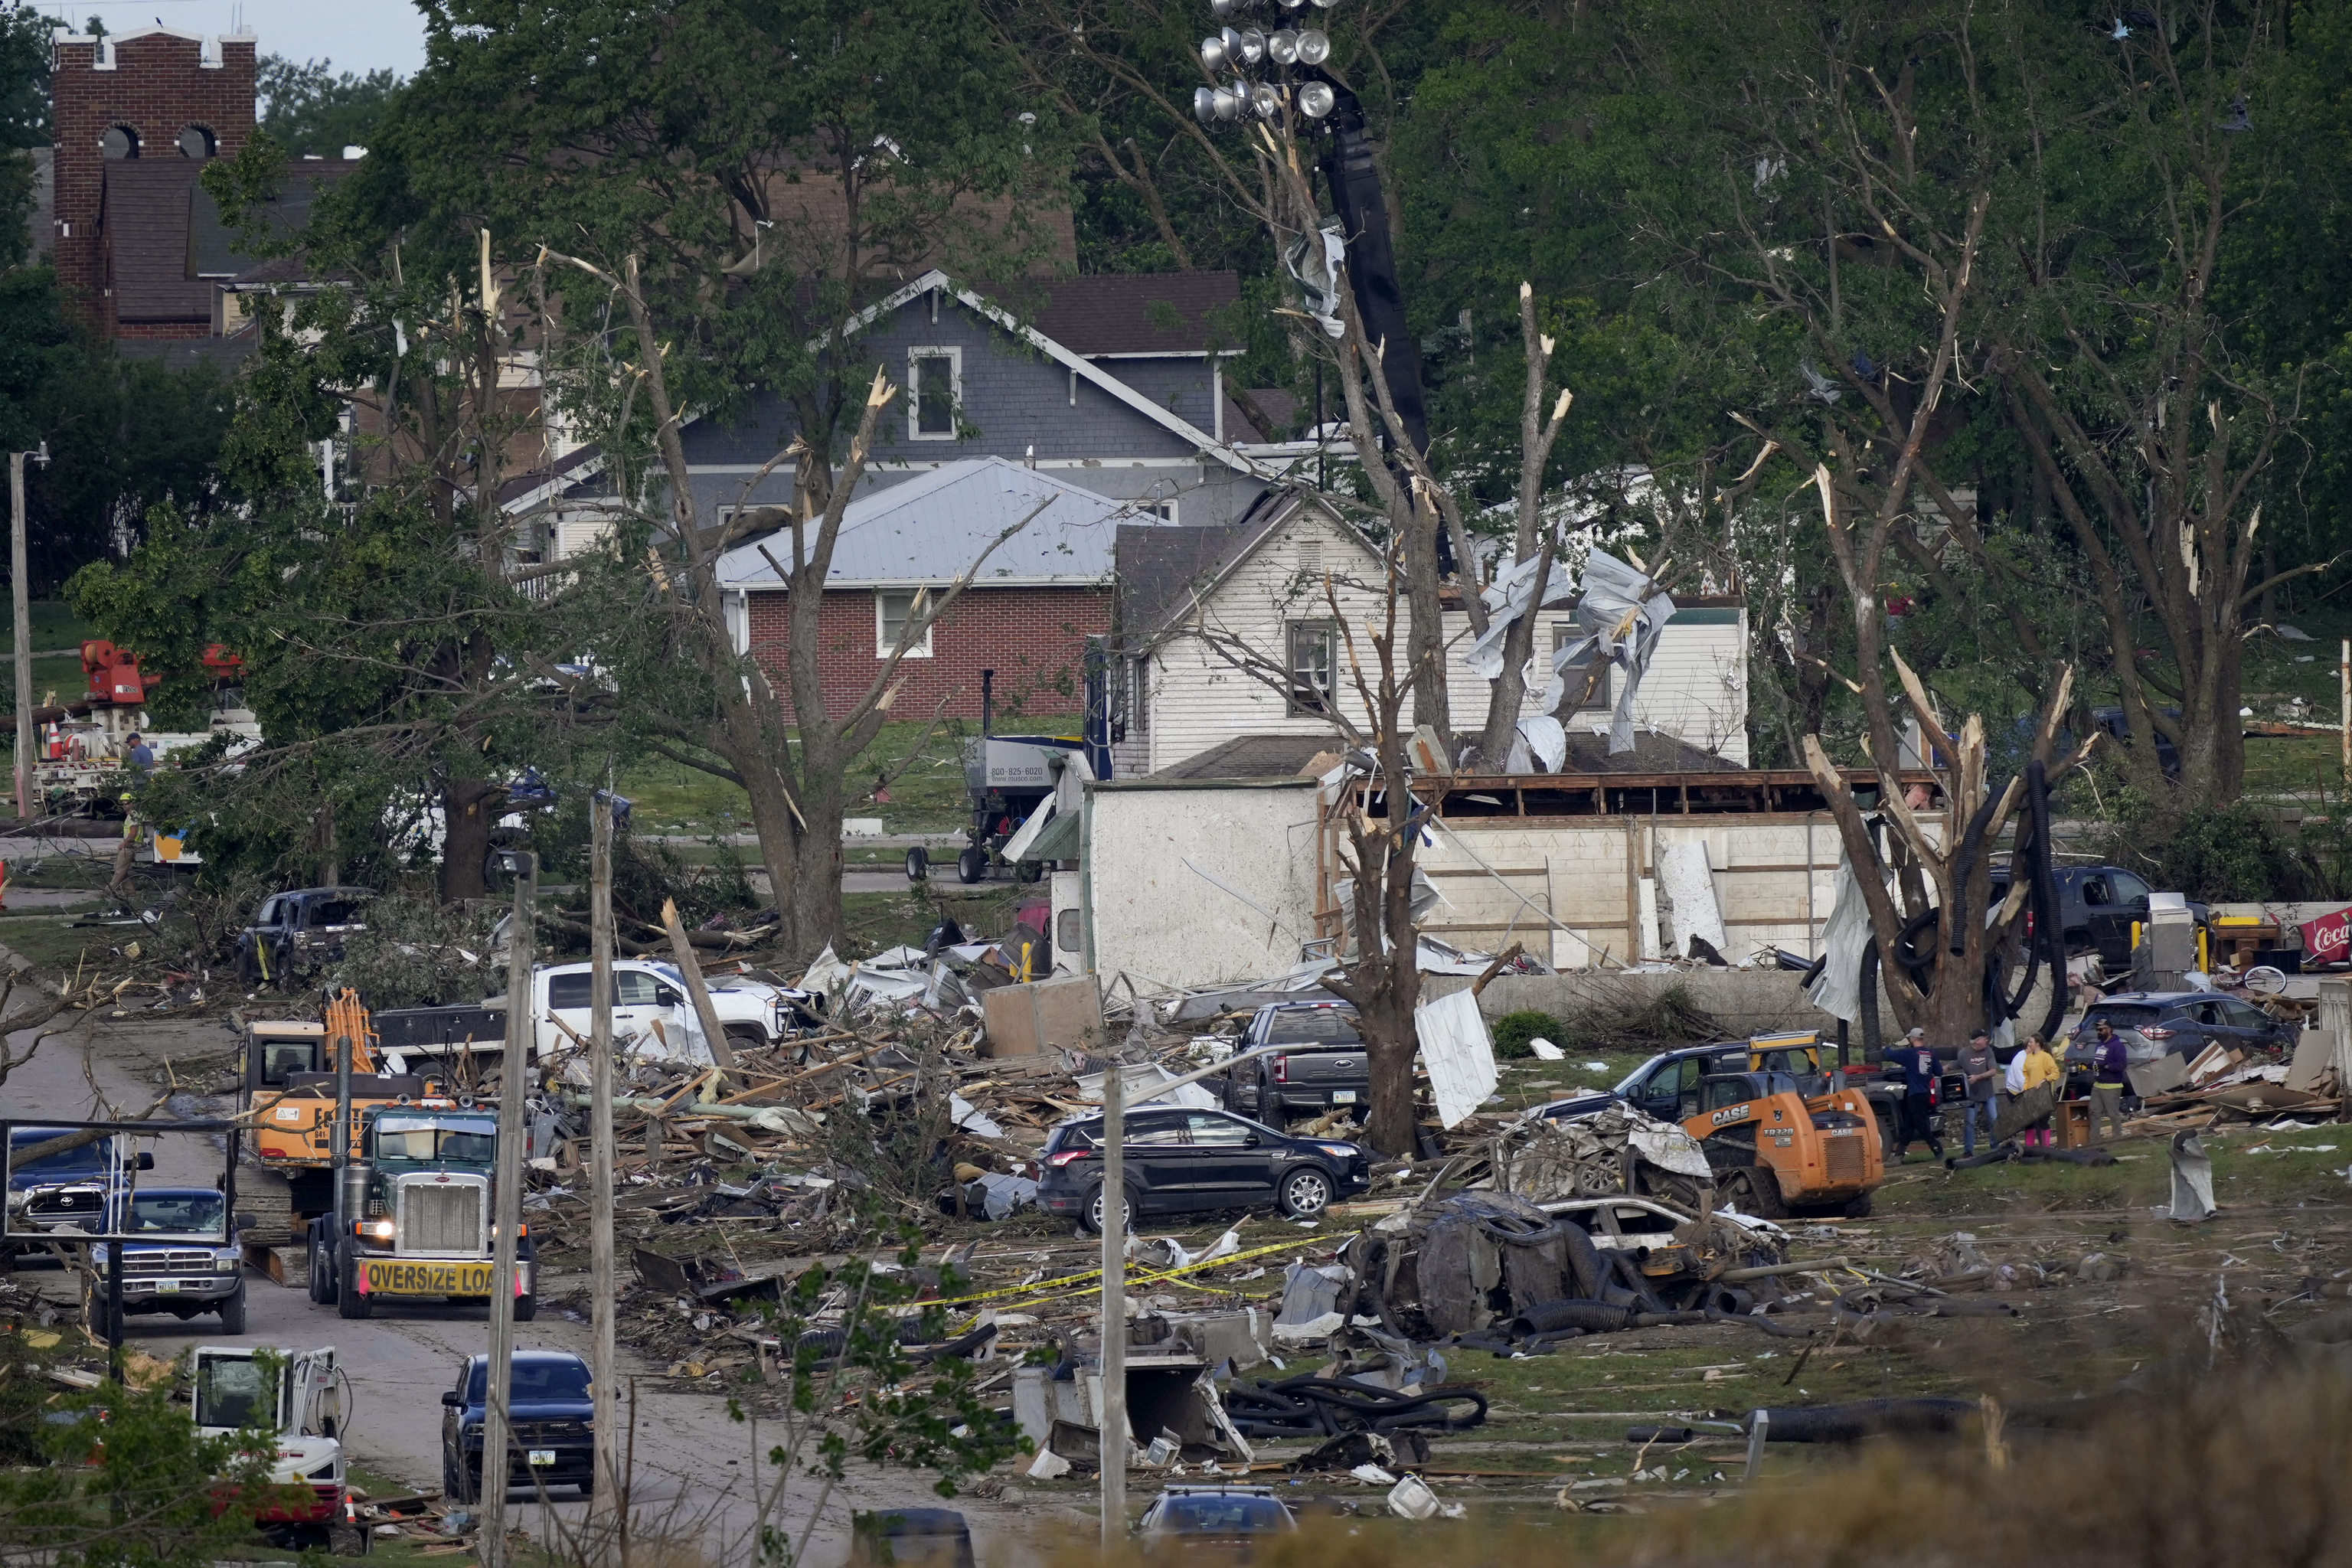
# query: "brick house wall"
[[1033, 639], [159, 83]]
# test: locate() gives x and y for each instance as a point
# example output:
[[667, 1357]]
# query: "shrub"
[[1513, 1031]]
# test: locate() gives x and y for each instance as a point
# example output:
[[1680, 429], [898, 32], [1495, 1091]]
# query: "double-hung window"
[[893, 608], [934, 392], [1312, 659]]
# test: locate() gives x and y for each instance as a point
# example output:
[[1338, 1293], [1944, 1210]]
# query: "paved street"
[[693, 1465]]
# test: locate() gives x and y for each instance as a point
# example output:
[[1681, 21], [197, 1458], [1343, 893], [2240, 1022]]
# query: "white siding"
[[1696, 689], [1200, 699]]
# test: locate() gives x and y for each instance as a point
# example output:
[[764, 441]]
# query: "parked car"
[[297, 931], [1230, 1519], [193, 1266], [548, 1401], [2099, 906], [1331, 1068], [909, 1537], [1181, 1161], [1668, 1085], [2157, 1024]]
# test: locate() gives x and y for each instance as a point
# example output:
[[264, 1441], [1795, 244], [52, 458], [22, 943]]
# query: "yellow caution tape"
[[1043, 1289]]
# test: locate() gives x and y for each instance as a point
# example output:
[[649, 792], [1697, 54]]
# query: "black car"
[[554, 1437], [1331, 1068], [2157, 1024], [295, 932], [1181, 1161]]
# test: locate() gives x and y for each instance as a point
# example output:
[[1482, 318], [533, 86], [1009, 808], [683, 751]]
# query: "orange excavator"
[[290, 1103]]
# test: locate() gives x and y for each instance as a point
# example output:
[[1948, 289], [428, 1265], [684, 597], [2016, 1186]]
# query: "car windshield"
[[1313, 1026], [65, 1164], [177, 1213], [1223, 1514], [420, 1141], [547, 1379]]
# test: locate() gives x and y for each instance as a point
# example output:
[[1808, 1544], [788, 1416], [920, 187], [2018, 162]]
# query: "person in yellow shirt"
[[2041, 1068]]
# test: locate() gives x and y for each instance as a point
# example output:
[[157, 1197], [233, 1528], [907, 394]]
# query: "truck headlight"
[[228, 1260], [379, 1229]]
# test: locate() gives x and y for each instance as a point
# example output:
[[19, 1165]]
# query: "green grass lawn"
[[927, 796], [54, 626]]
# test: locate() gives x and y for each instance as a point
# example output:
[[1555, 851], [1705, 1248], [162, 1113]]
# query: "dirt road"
[[694, 1468]]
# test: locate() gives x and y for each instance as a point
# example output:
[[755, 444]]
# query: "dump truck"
[[412, 1217], [290, 1095], [1774, 1149]]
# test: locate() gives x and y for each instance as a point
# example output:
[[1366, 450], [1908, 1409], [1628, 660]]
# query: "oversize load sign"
[[389, 1277], [2327, 939]]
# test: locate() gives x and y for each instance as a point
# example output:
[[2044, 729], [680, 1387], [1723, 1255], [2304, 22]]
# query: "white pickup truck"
[[651, 1016]]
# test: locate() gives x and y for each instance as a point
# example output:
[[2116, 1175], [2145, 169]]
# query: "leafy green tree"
[[710, 217], [24, 120], [310, 108]]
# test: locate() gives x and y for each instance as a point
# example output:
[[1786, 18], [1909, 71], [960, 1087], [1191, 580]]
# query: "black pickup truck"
[[1329, 1068]]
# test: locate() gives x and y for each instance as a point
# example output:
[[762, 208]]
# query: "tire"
[[232, 1311], [588, 1486], [526, 1307], [746, 1037], [1305, 1193], [1090, 1216], [1889, 1131], [349, 1300], [1859, 1208], [971, 866], [918, 864], [322, 1275]]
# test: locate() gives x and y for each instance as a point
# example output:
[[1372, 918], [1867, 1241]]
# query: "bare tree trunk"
[[468, 809]]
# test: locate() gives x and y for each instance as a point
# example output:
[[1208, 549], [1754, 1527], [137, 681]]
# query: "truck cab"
[[69, 1190], [297, 931], [1329, 1068], [423, 1227], [193, 1265], [297, 1398], [652, 1017]]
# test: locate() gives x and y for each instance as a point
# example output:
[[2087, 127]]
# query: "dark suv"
[[554, 1437], [1329, 1069], [1179, 1160], [2157, 1023]]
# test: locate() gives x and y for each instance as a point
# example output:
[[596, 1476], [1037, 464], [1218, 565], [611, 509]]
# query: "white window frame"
[[1165, 511], [883, 641], [953, 355]]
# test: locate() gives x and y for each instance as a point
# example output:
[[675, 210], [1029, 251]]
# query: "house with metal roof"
[[1033, 551]]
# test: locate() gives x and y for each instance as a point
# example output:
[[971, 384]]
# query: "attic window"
[[934, 392], [118, 141]]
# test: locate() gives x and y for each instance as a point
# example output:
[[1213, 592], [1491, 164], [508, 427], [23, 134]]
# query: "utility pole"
[[2343, 710], [1114, 1282], [498, 1433], [609, 1501], [20, 592], [1112, 1425]]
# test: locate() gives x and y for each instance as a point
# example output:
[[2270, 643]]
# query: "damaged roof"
[[1286, 756]]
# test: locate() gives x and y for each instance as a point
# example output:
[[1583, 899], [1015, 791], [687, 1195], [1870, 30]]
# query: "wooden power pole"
[[498, 1432], [610, 1503]]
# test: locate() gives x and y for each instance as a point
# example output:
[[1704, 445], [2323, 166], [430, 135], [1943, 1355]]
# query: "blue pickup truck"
[[193, 1266], [554, 1436]]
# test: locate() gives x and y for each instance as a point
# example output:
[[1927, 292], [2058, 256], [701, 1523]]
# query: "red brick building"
[[152, 94], [1035, 596]]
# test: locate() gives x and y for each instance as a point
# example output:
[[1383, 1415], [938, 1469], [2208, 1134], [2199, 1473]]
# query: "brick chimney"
[[157, 92]]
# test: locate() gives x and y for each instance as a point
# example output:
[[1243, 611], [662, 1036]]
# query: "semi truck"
[[413, 1215]]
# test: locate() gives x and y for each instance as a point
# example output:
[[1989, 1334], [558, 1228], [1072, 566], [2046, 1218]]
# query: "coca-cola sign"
[[2328, 939]]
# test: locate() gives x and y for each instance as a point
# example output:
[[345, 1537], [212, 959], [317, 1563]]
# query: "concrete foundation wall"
[[1744, 1001]]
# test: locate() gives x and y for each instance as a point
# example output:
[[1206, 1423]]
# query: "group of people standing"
[[2092, 1069]]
